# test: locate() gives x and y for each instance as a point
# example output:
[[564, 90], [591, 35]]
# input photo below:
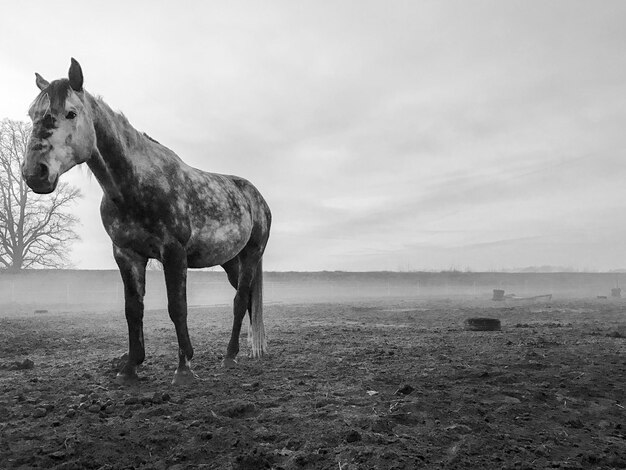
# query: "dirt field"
[[383, 385]]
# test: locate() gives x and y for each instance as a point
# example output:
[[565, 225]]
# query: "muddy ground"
[[390, 384]]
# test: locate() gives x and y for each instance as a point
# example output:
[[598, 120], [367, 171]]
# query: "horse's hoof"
[[184, 377], [229, 363], [123, 378]]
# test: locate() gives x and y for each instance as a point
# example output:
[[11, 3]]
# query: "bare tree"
[[36, 231]]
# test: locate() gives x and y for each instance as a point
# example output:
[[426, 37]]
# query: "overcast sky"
[[384, 135]]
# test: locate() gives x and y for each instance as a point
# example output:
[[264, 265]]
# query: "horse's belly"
[[211, 246]]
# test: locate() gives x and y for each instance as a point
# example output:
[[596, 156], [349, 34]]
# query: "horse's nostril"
[[43, 170]]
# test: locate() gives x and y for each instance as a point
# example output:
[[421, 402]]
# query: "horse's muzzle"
[[38, 179], [43, 188]]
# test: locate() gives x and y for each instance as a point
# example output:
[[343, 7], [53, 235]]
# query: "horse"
[[154, 206]]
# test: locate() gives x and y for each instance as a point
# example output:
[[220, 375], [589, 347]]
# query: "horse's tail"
[[256, 329]]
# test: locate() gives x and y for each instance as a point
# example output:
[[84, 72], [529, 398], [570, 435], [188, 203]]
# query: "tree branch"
[[35, 231]]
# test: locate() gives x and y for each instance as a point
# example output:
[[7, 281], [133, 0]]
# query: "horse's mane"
[[119, 124], [150, 138]]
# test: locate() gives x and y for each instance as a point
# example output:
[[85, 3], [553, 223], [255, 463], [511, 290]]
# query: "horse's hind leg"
[[133, 270], [240, 271], [232, 271]]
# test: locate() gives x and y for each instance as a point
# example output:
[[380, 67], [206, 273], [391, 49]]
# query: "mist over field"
[[75, 290]]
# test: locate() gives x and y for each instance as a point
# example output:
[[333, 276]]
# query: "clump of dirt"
[[17, 365]]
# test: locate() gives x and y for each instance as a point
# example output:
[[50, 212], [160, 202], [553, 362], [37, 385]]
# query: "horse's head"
[[63, 133]]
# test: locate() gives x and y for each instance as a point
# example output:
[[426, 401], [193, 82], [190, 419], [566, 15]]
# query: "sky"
[[385, 135]]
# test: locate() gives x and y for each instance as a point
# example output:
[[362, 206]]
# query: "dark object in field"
[[602, 297], [404, 390], [23, 365], [154, 206], [498, 294], [18, 365], [616, 292], [482, 324], [40, 311]]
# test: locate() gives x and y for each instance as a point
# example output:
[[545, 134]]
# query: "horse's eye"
[[70, 115]]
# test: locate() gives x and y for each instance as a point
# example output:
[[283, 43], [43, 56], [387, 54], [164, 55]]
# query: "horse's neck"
[[110, 161], [110, 185]]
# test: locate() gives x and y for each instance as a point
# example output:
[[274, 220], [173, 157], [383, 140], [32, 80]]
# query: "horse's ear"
[[41, 82], [76, 76]]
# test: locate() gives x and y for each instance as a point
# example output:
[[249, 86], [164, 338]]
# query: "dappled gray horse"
[[154, 206]]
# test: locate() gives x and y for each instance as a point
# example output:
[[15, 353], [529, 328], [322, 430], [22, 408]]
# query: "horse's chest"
[[135, 236]]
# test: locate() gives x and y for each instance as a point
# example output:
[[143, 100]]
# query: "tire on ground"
[[482, 324]]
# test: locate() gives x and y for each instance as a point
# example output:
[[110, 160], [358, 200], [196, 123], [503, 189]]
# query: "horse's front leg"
[[132, 267], [175, 269]]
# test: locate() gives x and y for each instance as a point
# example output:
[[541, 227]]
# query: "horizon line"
[[523, 270]]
